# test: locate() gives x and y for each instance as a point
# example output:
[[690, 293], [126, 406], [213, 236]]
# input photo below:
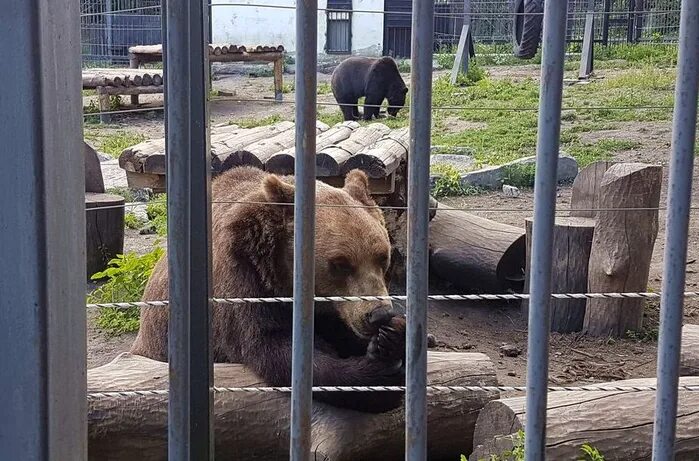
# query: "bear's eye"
[[341, 267]]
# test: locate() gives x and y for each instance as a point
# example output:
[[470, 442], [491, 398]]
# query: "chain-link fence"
[[109, 27]]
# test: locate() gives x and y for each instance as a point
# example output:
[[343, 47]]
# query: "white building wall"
[[260, 25]]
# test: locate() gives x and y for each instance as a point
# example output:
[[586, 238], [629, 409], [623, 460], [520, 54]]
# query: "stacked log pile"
[[94, 78]]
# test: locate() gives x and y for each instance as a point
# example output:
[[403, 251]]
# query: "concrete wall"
[[260, 25]]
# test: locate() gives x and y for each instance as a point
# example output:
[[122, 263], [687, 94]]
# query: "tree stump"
[[619, 423], [689, 356], [476, 254], [585, 195], [94, 182], [572, 241], [255, 426], [104, 216], [622, 247]]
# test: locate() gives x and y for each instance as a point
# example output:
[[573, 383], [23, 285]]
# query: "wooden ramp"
[[374, 148]]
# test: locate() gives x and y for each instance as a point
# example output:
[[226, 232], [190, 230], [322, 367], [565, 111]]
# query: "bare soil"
[[482, 327]]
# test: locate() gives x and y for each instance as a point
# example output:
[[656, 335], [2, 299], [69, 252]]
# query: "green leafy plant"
[[131, 221], [448, 183], [156, 211], [590, 453], [474, 74], [126, 276], [519, 175]]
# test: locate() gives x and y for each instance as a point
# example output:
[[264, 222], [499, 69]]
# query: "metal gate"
[[396, 35], [339, 34]]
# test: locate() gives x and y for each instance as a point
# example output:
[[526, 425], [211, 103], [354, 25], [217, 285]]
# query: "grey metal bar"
[[42, 234], [549, 128], [186, 60], [304, 229], [418, 214], [678, 206], [588, 48]]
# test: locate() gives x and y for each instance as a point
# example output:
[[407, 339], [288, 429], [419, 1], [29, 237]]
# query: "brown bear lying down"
[[355, 343]]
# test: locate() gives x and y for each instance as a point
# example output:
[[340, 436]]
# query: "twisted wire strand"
[[435, 389], [464, 297]]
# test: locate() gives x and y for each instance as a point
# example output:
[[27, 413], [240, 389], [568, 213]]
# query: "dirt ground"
[[480, 327]]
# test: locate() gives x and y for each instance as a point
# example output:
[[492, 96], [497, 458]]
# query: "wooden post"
[[587, 56], [278, 80], [103, 96], [104, 230], [689, 356], [623, 246], [572, 242], [133, 64], [585, 196], [463, 52]]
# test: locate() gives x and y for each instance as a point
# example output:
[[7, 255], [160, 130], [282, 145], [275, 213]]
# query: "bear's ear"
[[357, 186], [277, 191], [405, 90]]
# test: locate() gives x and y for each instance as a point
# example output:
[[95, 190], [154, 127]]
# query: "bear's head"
[[396, 98], [352, 249]]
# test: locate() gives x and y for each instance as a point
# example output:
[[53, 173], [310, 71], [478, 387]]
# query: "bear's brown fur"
[[355, 343]]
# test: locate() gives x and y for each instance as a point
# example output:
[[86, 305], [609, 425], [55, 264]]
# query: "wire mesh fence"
[[109, 27]]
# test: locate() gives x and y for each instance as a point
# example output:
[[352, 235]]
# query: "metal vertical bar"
[[605, 22], [418, 213], [679, 199], [549, 128], [304, 229], [108, 20], [42, 234], [186, 60]]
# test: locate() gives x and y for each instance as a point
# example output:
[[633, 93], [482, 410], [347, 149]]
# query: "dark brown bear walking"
[[356, 343], [374, 78]]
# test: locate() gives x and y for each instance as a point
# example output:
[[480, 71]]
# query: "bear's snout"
[[381, 315]]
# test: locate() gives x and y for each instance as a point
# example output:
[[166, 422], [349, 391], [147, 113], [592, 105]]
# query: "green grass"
[[156, 211], [324, 88], [255, 122], [131, 221], [113, 143]]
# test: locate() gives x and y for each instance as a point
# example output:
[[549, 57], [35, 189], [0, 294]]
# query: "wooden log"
[[146, 49], [103, 99], [476, 254], [572, 242], [227, 152], [585, 194], [132, 90], [147, 79], [622, 247], [157, 80], [382, 158], [619, 424], [145, 157], [331, 159], [283, 162], [97, 79], [255, 56], [255, 426], [94, 182], [689, 355], [257, 153], [104, 217]]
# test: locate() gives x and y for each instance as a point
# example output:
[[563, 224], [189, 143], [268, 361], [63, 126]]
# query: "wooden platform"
[[110, 81], [375, 149], [222, 52]]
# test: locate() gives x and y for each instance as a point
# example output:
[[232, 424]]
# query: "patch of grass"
[[519, 175], [126, 276], [89, 92], [448, 182], [131, 221], [507, 109], [474, 74], [288, 88], [156, 211], [255, 122], [403, 66], [113, 143], [124, 192], [324, 88], [589, 453]]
